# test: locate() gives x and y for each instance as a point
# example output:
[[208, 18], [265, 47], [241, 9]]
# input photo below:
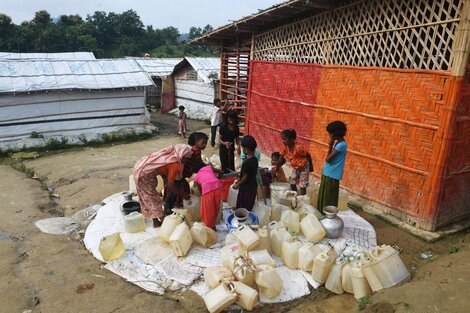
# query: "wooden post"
[[461, 46]]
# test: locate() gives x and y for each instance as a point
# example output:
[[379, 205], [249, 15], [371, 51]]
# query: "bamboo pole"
[[461, 47]]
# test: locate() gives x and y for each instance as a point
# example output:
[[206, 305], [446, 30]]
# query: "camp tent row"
[[396, 71], [71, 94]]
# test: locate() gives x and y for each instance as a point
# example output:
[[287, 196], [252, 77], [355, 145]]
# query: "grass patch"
[[363, 302]]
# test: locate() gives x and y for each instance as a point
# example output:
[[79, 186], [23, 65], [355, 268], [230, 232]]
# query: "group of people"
[[181, 161]]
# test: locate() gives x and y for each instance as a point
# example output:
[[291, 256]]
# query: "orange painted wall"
[[397, 121]]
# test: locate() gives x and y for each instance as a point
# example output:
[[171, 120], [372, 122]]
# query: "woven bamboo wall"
[[455, 199], [396, 120]]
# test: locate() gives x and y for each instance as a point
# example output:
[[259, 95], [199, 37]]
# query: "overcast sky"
[[179, 13]]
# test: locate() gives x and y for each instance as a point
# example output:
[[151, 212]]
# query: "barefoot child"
[[182, 122], [211, 190], [247, 184], [334, 166]]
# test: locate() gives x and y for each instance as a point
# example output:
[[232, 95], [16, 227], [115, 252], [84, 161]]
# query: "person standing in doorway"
[[229, 136], [216, 119]]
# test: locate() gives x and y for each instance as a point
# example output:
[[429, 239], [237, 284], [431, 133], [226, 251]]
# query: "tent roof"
[[157, 66], [271, 17], [49, 56], [206, 68], [37, 75]]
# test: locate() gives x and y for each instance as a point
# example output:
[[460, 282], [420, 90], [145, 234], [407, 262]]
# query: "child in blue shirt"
[[334, 166]]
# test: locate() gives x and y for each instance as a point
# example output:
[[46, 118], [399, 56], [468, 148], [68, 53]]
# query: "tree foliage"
[[106, 34]]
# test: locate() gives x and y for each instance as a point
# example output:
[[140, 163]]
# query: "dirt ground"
[[46, 273]]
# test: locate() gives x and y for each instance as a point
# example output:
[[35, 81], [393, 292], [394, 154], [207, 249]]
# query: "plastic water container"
[[346, 281], [194, 190], [291, 220], [185, 214], [244, 271], [181, 240], [203, 235], [288, 198], [220, 298], [246, 238], [228, 254], [311, 228], [322, 265], [268, 280], [308, 209], [301, 201], [278, 236], [246, 296], [259, 257], [232, 197], [312, 192], [132, 187], [111, 247], [360, 285], [134, 222], [216, 275], [263, 212], [384, 268], [226, 183], [276, 189], [160, 185], [334, 282], [193, 205], [274, 225], [307, 254], [343, 200], [290, 253], [277, 210], [264, 239], [168, 226]]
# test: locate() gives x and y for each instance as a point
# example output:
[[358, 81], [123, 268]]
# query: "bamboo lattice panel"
[[410, 34]]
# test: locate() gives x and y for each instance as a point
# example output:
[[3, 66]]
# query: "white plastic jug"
[[246, 296], [306, 209], [275, 225], [307, 254], [259, 257], [232, 197], [384, 268], [334, 282], [312, 192], [244, 271], [312, 229], [134, 222], [160, 185], [246, 238], [264, 239], [193, 205], [203, 235], [228, 254], [268, 280], [346, 281], [181, 240], [276, 189], [343, 200], [322, 265], [291, 220], [288, 198], [277, 210], [290, 253], [263, 212], [132, 188], [360, 285], [301, 201], [111, 247], [168, 226], [278, 236], [216, 275], [220, 298], [186, 215]]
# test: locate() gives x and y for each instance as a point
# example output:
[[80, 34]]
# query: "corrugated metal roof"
[[36, 75], [49, 56], [157, 66], [207, 68]]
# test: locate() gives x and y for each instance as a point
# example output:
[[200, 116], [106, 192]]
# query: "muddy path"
[[45, 273]]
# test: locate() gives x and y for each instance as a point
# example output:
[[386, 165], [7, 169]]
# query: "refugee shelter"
[[197, 85], [68, 97], [395, 71], [160, 97], [48, 56]]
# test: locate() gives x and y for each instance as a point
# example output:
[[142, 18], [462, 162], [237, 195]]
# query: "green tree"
[[7, 29], [170, 35]]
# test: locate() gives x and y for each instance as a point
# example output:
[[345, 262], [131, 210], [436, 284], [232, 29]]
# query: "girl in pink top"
[[211, 190]]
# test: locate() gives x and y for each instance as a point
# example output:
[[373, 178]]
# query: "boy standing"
[[216, 119]]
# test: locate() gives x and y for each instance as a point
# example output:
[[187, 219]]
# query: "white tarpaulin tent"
[[49, 56], [157, 67], [70, 97], [197, 92]]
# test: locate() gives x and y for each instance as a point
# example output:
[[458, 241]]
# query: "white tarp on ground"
[[157, 66], [197, 97], [41, 75], [155, 271], [49, 56]]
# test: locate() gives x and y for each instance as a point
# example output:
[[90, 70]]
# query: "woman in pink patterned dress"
[[169, 164]]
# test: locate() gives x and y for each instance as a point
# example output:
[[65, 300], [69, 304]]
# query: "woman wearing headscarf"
[[167, 163]]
